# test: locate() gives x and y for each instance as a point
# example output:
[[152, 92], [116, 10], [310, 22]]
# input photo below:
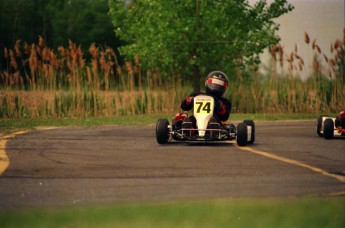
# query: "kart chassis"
[[204, 128]]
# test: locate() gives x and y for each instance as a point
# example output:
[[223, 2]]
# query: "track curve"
[[110, 164]]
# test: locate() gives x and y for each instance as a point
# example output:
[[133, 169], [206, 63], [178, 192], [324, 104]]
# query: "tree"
[[21, 20], [83, 21], [193, 37]]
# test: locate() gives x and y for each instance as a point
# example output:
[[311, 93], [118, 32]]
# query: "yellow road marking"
[[294, 162], [4, 160]]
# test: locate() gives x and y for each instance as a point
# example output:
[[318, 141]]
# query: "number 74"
[[203, 106]]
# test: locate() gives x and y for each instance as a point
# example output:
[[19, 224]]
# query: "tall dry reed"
[[41, 82]]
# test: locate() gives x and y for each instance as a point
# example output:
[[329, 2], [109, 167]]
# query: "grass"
[[11, 125], [306, 212]]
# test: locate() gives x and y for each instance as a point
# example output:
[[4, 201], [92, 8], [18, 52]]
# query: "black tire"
[[242, 134], [328, 129], [319, 126], [251, 123], [162, 131]]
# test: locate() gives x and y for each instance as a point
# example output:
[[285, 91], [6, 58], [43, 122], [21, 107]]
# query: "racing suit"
[[340, 120]]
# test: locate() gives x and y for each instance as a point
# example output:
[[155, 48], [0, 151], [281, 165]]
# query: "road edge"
[[4, 160]]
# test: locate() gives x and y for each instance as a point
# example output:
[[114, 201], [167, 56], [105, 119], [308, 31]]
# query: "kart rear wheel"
[[251, 123], [242, 134], [319, 126], [162, 131], [328, 129]]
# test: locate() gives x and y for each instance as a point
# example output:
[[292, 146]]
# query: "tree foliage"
[[193, 37], [82, 21], [21, 20]]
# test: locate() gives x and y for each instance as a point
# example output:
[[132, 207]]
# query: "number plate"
[[203, 112], [203, 105]]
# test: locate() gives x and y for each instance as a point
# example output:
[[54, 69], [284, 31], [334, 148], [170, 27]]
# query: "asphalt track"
[[119, 164]]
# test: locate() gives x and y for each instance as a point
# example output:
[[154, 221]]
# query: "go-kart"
[[329, 127], [202, 126]]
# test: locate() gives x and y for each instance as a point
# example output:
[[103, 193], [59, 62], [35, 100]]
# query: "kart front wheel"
[[162, 131], [242, 134], [328, 129], [252, 136], [319, 126]]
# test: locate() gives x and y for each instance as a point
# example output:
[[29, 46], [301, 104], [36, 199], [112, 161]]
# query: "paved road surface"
[[112, 164]]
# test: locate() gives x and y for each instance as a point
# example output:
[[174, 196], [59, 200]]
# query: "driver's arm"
[[187, 104]]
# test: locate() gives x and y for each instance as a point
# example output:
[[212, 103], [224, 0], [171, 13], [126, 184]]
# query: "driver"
[[340, 120], [216, 84]]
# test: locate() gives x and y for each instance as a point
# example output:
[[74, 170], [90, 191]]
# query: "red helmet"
[[216, 83], [342, 114]]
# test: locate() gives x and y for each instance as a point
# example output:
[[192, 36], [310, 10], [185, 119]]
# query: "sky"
[[323, 20]]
